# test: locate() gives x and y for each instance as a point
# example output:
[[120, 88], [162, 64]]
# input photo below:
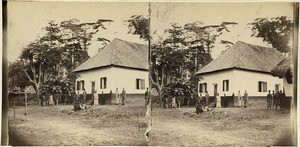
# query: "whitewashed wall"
[[240, 80], [217, 78], [249, 81], [124, 77], [116, 78]]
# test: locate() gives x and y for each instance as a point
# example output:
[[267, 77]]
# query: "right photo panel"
[[222, 74]]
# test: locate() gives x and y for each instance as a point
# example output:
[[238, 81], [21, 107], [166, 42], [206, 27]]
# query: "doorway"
[[277, 87], [215, 89], [93, 87]]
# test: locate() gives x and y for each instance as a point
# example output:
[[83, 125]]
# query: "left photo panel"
[[78, 73]]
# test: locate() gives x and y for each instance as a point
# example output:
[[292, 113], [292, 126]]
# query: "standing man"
[[245, 99], [83, 96], [281, 98], [206, 98], [117, 96], [123, 95], [273, 100], [269, 100], [146, 97], [239, 99], [276, 96], [96, 98]]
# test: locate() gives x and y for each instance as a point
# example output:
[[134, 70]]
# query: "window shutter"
[[143, 84], [227, 85], [223, 85], [137, 83], [82, 84], [78, 85], [201, 88]]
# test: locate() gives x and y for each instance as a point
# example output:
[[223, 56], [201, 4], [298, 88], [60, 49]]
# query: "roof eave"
[[224, 69], [111, 65]]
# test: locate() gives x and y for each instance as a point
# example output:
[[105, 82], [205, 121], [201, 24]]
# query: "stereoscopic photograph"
[[151, 73]]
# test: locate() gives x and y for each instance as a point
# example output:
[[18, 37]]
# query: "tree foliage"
[[186, 47], [139, 25], [16, 75], [276, 31], [63, 47], [58, 85]]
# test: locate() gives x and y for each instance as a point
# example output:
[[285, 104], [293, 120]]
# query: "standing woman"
[[239, 99], [173, 102], [218, 98], [96, 98]]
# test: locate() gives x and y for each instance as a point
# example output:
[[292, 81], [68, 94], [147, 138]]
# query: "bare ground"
[[220, 127], [98, 125], [124, 125]]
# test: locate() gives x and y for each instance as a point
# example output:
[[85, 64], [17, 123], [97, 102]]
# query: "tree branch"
[[27, 75]]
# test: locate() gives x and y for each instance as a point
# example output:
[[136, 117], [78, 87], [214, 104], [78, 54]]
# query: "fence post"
[[14, 107], [26, 105]]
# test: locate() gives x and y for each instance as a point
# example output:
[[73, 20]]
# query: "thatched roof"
[[119, 53], [245, 56], [284, 69]]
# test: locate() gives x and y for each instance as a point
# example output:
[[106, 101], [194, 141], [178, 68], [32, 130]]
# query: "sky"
[[27, 19], [163, 14]]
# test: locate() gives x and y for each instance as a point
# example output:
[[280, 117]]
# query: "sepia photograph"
[[222, 73], [77, 73], [151, 73]]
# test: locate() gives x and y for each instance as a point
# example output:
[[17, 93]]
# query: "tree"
[[206, 35], [276, 31], [78, 36], [16, 76], [63, 45], [139, 25], [37, 59]]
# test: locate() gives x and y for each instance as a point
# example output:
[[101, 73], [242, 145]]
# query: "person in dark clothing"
[[276, 97], [281, 98], [123, 95], [146, 97], [273, 100], [83, 96], [269, 100], [206, 98]]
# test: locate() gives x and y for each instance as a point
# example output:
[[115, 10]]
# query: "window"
[[140, 84], [103, 83], [225, 85], [82, 84], [202, 87], [78, 85], [262, 86]]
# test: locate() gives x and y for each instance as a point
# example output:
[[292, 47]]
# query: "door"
[[276, 88], [93, 87], [215, 89]]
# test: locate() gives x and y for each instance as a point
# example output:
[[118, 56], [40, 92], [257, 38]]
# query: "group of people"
[[275, 99], [50, 99], [120, 98], [242, 99], [202, 103]]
